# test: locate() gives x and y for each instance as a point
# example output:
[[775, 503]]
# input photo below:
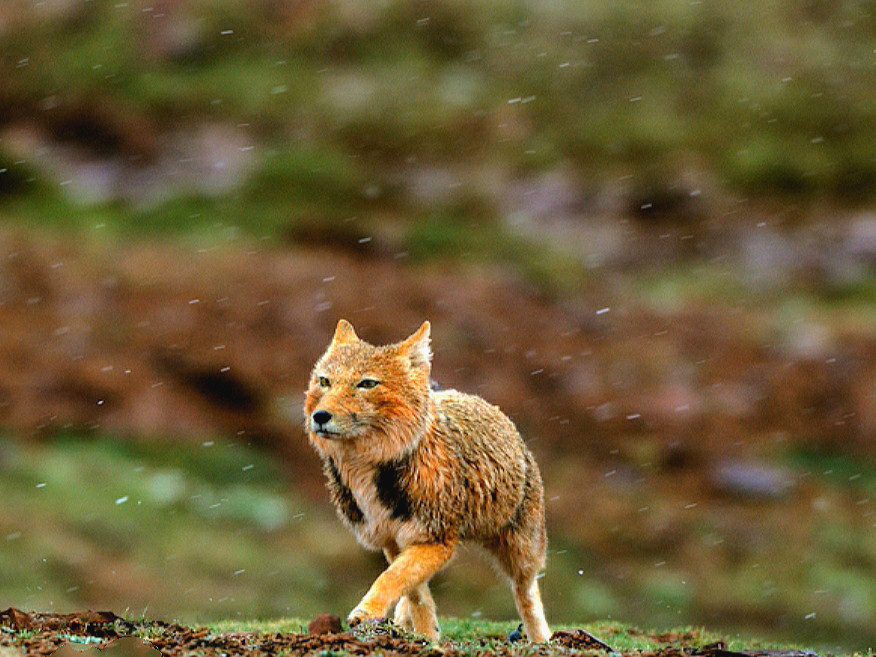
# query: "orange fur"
[[414, 472]]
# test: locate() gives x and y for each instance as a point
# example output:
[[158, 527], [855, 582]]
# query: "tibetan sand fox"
[[414, 472]]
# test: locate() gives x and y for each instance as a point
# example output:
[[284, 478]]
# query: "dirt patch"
[[43, 634], [155, 340]]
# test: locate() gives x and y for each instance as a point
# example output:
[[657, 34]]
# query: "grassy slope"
[[771, 100], [215, 530], [660, 99]]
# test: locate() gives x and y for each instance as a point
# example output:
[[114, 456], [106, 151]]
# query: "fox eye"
[[324, 382], [367, 384]]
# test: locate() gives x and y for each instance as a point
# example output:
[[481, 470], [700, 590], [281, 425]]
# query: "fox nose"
[[321, 417]]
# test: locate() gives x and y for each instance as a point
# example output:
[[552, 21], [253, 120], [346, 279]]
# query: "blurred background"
[[646, 230]]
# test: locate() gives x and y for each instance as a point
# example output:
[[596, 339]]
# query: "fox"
[[415, 472]]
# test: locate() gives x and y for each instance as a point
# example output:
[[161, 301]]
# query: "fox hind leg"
[[522, 563], [521, 551], [415, 611], [528, 600]]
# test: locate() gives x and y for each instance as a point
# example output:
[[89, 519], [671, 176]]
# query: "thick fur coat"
[[414, 472]]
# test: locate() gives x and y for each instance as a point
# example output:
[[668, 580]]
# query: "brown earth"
[[161, 341], [36, 634]]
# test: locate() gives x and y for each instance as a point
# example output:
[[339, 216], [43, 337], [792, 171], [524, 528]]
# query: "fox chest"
[[376, 502]]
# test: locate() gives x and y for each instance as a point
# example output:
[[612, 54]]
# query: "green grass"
[[840, 471], [463, 636], [772, 100], [296, 625], [474, 635], [200, 526], [341, 104]]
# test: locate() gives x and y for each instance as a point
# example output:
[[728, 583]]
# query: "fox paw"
[[367, 629], [360, 614]]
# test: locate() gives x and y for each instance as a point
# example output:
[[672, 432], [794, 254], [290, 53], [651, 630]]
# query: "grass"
[[773, 100], [477, 635], [153, 517], [343, 103], [463, 636], [839, 471]]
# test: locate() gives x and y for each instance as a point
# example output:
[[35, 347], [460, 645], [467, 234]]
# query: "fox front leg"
[[415, 565]]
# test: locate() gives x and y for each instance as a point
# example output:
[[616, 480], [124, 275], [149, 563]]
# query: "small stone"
[[752, 480], [325, 624], [581, 640]]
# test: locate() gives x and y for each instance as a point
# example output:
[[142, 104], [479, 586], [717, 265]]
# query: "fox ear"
[[344, 333], [416, 347]]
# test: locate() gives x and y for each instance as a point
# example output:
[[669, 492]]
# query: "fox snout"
[[320, 419], [324, 423]]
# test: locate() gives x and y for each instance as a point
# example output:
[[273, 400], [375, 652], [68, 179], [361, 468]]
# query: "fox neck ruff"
[[379, 444]]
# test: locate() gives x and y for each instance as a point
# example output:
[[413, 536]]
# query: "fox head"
[[369, 398]]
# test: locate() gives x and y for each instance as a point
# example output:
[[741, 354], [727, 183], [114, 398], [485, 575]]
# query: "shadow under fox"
[[414, 472]]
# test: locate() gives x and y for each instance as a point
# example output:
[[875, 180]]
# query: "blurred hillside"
[[645, 230], [319, 111]]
